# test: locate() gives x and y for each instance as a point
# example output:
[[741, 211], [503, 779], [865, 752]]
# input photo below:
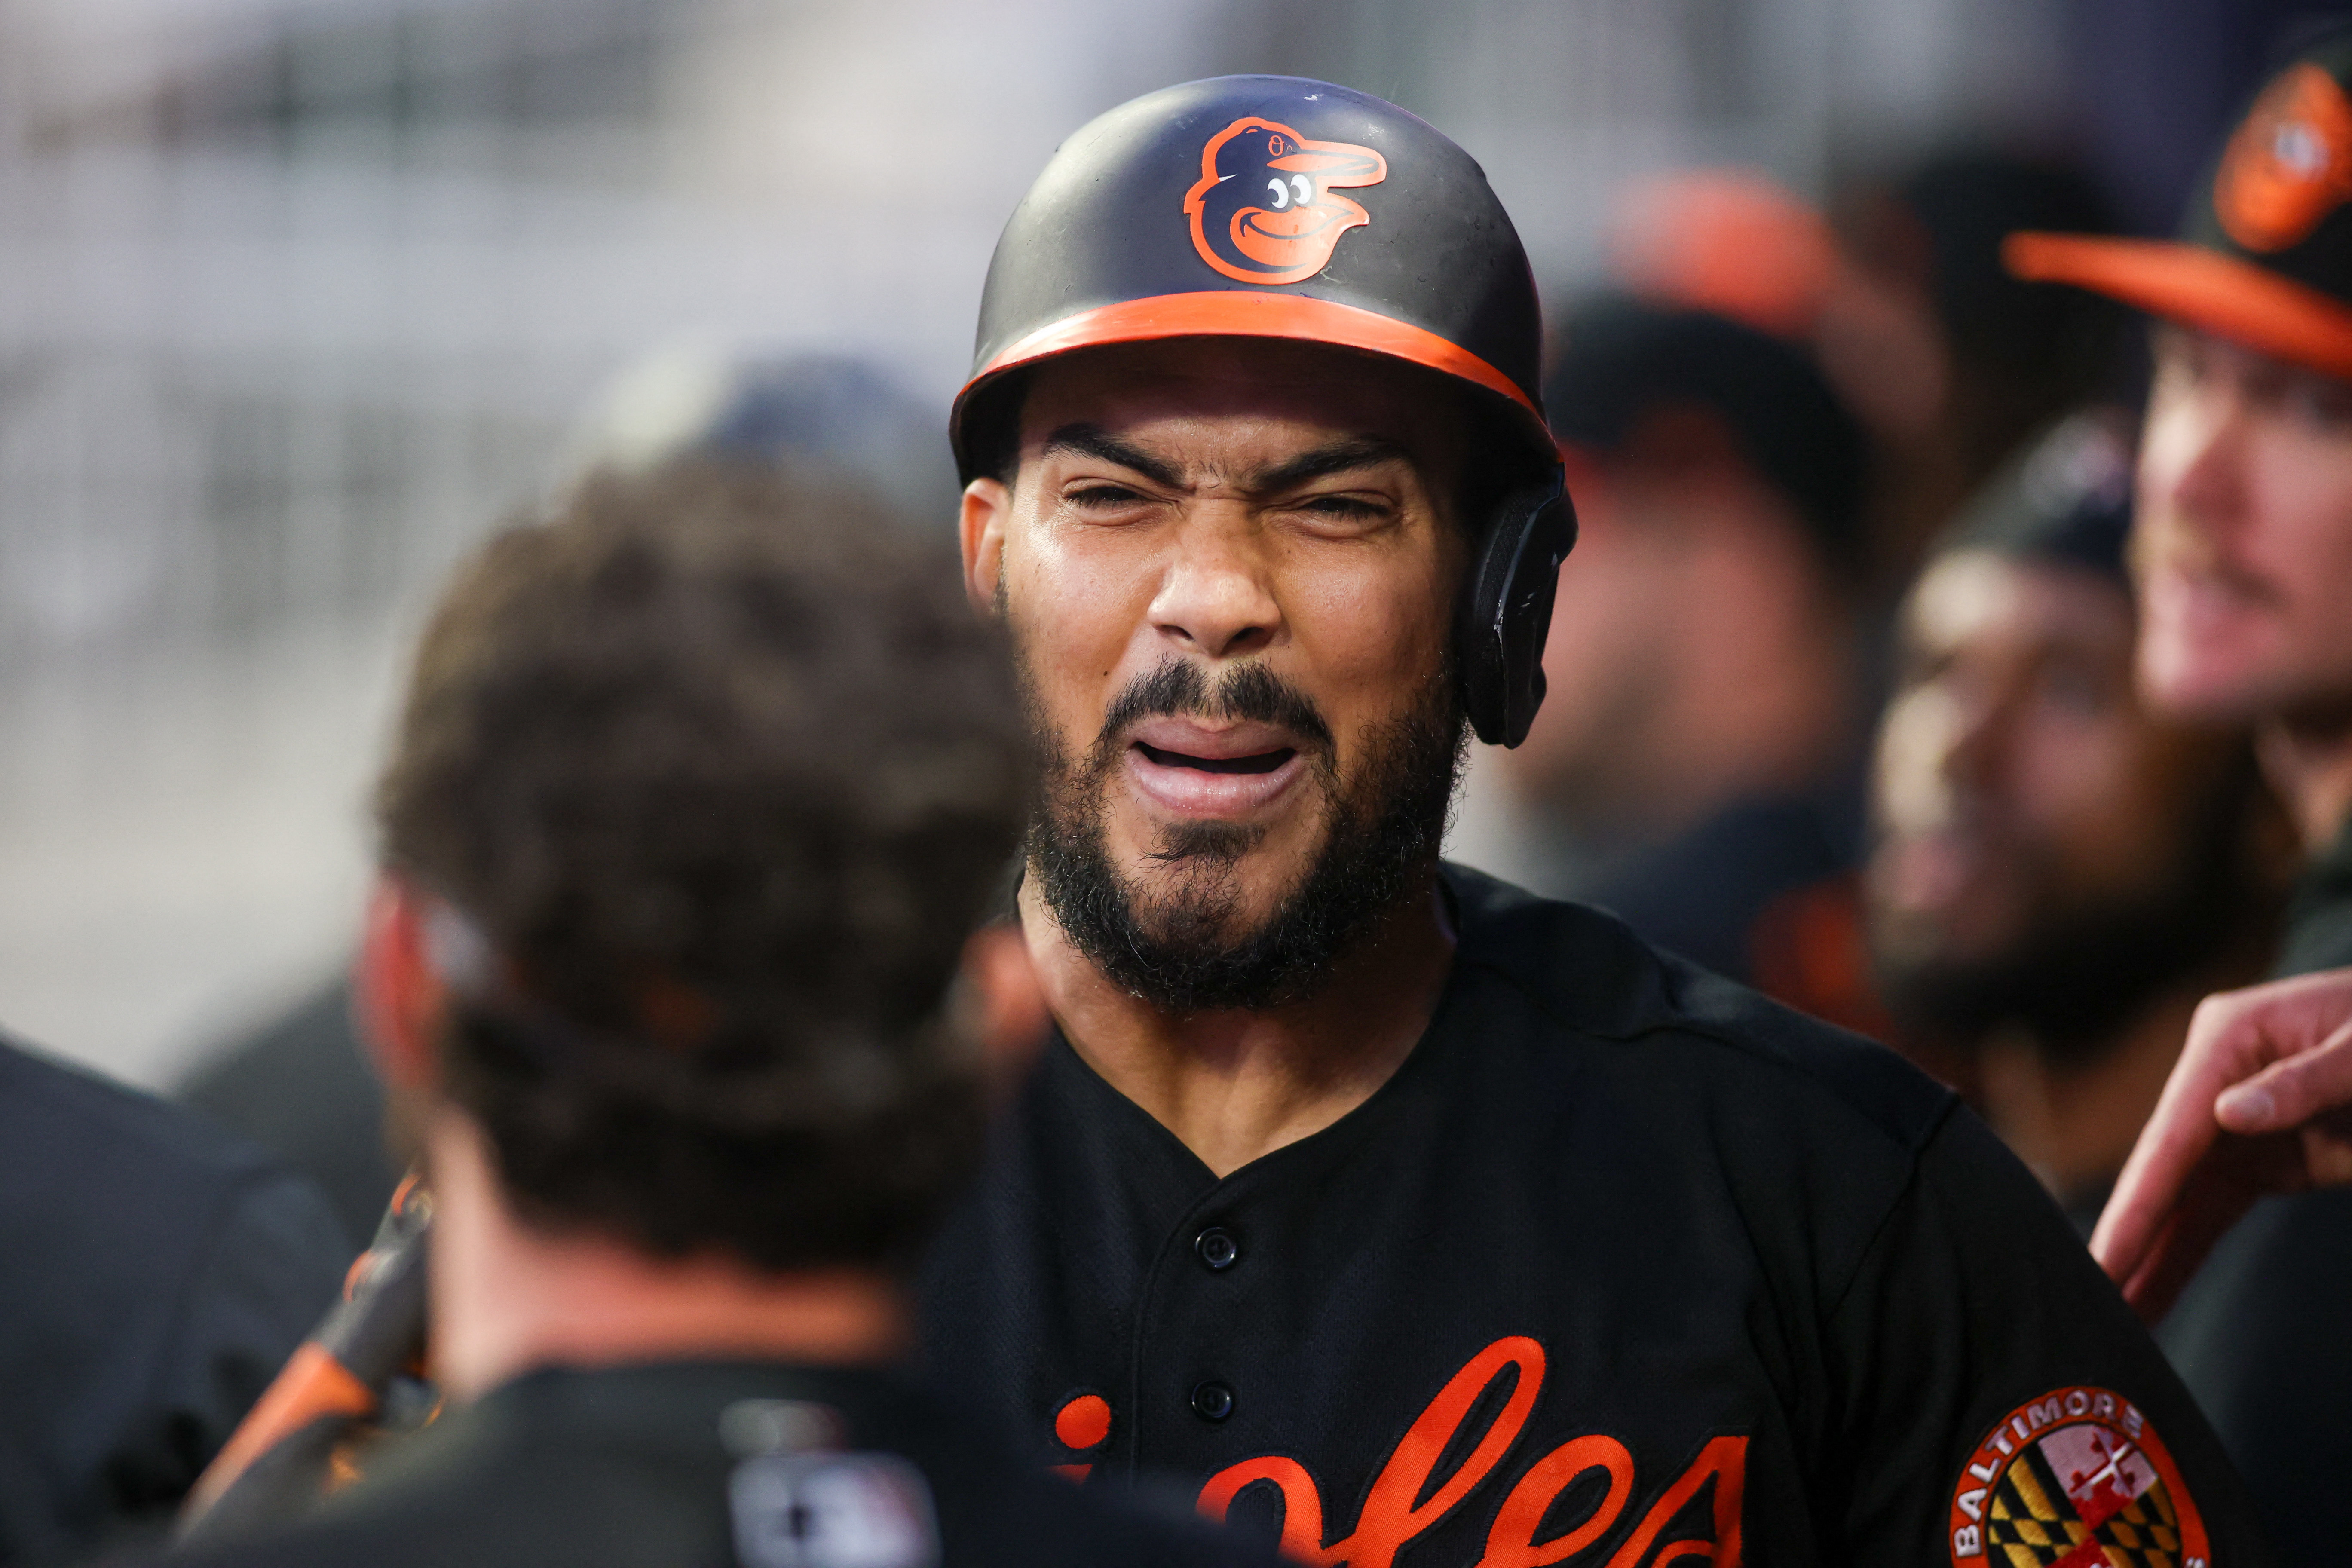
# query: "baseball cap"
[[1621, 357], [2066, 501], [2265, 255]]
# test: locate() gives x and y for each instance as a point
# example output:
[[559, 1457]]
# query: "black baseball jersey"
[[708, 1464], [155, 1275], [2259, 1334], [1624, 1264]]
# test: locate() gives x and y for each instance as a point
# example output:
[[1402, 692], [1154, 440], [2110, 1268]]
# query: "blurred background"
[[297, 297]]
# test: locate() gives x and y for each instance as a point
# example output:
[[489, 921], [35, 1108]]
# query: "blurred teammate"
[[298, 1085], [1408, 1216], [699, 793], [1696, 755], [154, 1272], [2058, 875], [2012, 357], [2243, 559]]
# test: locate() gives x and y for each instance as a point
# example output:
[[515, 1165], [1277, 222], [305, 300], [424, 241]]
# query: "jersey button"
[[1213, 1402], [1217, 1248]]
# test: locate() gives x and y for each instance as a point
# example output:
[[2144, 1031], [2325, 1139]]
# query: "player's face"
[[2020, 787], [2243, 550], [1229, 570]]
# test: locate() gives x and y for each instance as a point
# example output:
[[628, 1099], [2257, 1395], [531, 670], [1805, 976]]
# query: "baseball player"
[[700, 789], [1370, 1203], [2243, 561]]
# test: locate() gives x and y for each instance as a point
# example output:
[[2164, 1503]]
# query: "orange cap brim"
[[1233, 313], [2198, 288]]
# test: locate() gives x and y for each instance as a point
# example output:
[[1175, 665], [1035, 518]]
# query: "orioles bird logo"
[[2289, 165], [1263, 210]]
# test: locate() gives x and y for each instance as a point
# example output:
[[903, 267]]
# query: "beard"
[[1189, 948], [2075, 985], [2075, 977]]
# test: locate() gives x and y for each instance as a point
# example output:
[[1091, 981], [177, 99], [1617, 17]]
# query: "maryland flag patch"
[[2077, 1479]]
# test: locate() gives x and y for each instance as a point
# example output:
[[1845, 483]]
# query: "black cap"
[[2066, 501], [2264, 255], [1621, 358]]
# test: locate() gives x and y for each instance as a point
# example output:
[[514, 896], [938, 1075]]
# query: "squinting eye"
[[1281, 194]]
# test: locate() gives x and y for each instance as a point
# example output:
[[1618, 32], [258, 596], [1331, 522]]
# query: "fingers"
[[2292, 1091], [2236, 1037], [2137, 1215], [2233, 1174], [2175, 1139]]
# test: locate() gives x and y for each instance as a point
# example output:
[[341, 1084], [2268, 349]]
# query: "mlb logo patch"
[[832, 1510]]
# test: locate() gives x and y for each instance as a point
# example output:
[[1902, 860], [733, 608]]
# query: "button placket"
[[1216, 1248], [1212, 1400]]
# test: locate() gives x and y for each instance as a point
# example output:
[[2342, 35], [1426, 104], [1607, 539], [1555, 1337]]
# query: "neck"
[[508, 1298], [1233, 1086], [2073, 1120], [2308, 762]]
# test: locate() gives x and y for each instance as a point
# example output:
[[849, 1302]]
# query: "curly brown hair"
[[726, 773]]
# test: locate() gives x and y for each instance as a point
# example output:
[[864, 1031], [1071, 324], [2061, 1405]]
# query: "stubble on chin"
[[1184, 928]]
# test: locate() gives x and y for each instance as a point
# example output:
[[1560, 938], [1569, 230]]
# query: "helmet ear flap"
[[1499, 635]]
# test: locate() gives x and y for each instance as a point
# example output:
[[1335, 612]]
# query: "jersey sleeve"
[[1991, 1388], [269, 1271]]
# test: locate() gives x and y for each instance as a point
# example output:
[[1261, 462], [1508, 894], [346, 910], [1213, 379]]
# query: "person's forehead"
[[1267, 386], [1976, 595]]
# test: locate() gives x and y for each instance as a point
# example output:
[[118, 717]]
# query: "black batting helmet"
[[1281, 207]]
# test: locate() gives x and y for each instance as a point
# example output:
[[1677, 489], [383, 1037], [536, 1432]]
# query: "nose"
[[1217, 598], [2196, 459], [1980, 721]]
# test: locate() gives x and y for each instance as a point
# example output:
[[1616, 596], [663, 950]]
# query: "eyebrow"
[[1093, 441], [1339, 457]]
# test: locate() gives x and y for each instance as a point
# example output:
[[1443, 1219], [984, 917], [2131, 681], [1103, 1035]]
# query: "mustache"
[[1177, 688], [2190, 552]]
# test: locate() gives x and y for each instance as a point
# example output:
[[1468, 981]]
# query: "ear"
[[987, 508], [1006, 1004], [399, 998]]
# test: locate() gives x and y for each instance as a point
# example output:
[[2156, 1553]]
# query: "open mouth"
[[1260, 763]]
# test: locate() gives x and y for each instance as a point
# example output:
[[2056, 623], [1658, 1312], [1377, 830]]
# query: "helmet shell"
[[1266, 206]]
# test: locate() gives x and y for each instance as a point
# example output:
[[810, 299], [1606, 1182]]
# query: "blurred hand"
[[2260, 1102]]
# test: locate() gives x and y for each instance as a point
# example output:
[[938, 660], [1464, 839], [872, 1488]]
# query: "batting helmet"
[[1280, 207]]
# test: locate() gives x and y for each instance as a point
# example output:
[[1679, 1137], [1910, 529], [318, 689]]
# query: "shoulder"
[[84, 1159], [149, 1204], [1655, 1017], [50, 1106]]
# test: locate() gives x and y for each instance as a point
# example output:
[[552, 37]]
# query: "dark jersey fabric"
[[1704, 894], [1710, 1266], [154, 1274], [2263, 1335], [2319, 916], [632, 1467], [300, 1087]]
